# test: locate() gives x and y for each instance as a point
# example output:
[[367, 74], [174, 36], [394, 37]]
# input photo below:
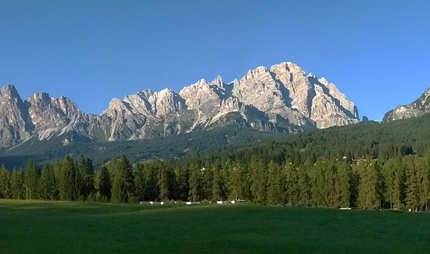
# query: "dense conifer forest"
[[367, 165]]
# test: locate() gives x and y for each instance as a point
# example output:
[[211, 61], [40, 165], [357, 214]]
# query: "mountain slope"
[[417, 108], [281, 99]]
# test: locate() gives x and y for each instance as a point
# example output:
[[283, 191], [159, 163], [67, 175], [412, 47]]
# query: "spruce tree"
[[67, 179], [164, 181], [304, 194], [290, 188], [86, 172], [182, 186], [194, 181], [5, 190], [47, 185], [123, 189], [342, 185], [274, 184], [104, 184], [17, 184], [258, 180], [32, 176], [412, 198]]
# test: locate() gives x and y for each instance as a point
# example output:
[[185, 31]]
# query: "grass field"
[[73, 227]]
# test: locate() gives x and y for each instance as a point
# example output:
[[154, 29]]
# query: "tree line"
[[366, 183]]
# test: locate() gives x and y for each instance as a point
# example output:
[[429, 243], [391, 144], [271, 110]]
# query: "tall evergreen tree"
[[17, 184], [32, 175], [67, 179], [238, 184], [290, 179], [86, 172], [370, 191], [140, 180], [47, 185], [412, 197], [342, 186], [258, 179], [194, 181], [5, 190], [123, 182], [181, 184], [104, 184], [164, 181], [274, 184]]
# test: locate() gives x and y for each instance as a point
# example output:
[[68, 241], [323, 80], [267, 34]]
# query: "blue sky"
[[376, 52]]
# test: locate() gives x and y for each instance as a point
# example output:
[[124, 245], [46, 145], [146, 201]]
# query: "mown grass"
[[73, 227]]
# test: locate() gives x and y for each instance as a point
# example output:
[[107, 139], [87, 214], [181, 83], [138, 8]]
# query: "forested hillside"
[[368, 165], [165, 148]]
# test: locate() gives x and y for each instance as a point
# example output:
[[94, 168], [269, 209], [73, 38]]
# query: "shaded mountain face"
[[282, 98], [417, 108]]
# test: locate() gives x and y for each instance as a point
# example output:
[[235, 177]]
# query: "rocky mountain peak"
[[218, 82], [417, 108], [9, 90], [282, 98], [15, 124]]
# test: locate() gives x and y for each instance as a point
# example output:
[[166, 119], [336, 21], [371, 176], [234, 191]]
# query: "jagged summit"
[[281, 98], [417, 108]]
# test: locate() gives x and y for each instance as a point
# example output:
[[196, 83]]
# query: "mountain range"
[[417, 108], [281, 99]]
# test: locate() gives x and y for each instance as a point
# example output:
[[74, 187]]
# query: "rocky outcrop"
[[282, 98], [417, 108], [15, 125]]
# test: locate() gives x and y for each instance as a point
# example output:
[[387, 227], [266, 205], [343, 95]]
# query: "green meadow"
[[79, 227]]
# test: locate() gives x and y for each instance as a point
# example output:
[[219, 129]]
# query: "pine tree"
[[32, 176], [258, 180], [123, 189], [304, 194], [86, 172], [194, 181], [412, 198], [423, 173], [370, 191], [274, 184], [238, 183], [17, 184], [182, 186], [47, 185], [290, 187], [104, 184], [5, 190], [342, 185], [140, 180], [67, 179], [164, 181]]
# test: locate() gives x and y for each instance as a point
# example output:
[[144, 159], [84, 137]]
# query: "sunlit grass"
[[80, 227]]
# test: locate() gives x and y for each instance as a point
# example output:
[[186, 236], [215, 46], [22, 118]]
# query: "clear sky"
[[376, 52]]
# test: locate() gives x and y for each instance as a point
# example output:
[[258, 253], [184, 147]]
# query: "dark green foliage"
[[32, 175], [123, 188], [369, 166], [195, 183], [86, 172], [5, 188], [274, 184], [18, 190], [47, 184], [104, 184], [68, 179], [259, 180], [177, 146]]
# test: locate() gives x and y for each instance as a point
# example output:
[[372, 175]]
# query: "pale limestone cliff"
[[282, 98]]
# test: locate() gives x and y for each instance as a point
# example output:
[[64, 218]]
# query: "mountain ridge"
[[416, 108], [280, 98]]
